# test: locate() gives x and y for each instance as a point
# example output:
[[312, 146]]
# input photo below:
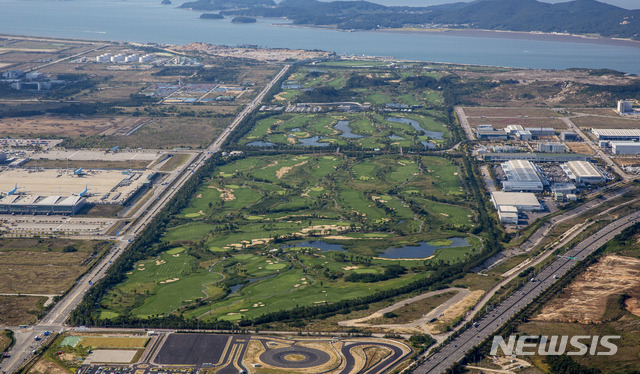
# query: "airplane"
[[84, 193], [14, 191], [78, 172]]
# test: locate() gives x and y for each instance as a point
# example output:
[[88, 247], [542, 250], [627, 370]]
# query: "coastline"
[[482, 33]]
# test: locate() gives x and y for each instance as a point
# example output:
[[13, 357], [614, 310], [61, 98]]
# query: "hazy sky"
[[629, 4]]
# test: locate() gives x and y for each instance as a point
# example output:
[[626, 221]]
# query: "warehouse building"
[[582, 172], [35, 204], [568, 136], [617, 134], [625, 148], [538, 132], [551, 147], [522, 175], [537, 157], [509, 204]]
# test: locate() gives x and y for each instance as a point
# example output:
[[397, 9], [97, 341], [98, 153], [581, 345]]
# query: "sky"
[[629, 4]]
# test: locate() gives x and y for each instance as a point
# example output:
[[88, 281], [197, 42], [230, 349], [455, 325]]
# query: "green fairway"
[[230, 254]]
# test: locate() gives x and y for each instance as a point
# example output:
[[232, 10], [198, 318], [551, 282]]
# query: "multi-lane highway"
[[491, 322], [55, 319]]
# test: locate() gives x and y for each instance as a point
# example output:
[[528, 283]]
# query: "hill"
[[575, 17]]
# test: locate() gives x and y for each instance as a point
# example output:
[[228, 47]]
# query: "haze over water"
[[149, 21]]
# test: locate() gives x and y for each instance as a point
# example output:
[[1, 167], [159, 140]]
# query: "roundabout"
[[294, 357]]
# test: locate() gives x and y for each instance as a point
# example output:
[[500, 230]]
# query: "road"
[[456, 349], [465, 123], [55, 319]]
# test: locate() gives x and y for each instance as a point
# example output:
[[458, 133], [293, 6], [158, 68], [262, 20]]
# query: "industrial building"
[[538, 132], [519, 132], [487, 132], [36, 204], [625, 148], [509, 204], [522, 175], [616, 134], [551, 147], [583, 172], [563, 188], [625, 106], [537, 157], [568, 136]]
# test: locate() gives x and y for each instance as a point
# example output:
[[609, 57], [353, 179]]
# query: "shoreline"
[[482, 33]]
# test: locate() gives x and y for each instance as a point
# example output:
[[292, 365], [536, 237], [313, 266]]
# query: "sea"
[[150, 21]]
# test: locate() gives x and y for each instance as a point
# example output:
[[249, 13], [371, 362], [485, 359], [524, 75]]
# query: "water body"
[[237, 287], [420, 251], [416, 125], [260, 143], [313, 142], [149, 21], [344, 127]]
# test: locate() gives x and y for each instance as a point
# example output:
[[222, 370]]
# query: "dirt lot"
[[68, 126], [161, 133], [585, 300], [17, 310], [40, 266], [44, 366], [579, 147], [500, 123], [509, 112], [606, 122]]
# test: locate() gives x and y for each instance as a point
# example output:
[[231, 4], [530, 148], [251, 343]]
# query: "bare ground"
[[585, 300]]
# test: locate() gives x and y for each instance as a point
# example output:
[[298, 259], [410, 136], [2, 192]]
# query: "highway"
[[486, 326], [56, 317]]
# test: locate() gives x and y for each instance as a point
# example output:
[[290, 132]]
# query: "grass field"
[[5, 340], [367, 131], [234, 249]]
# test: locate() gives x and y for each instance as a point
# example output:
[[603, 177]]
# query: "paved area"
[[111, 356], [286, 357]]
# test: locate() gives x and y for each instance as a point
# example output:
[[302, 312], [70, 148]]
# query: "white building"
[[104, 57], [551, 147], [625, 148], [625, 106], [616, 134], [508, 214], [522, 201], [522, 175], [146, 58], [118, 58], [132, 58], [583, 172]]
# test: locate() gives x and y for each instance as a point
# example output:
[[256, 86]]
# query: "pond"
[[422, 250], [260, 143], [416, 125], [313, 141], [343, 126], [237, 287]]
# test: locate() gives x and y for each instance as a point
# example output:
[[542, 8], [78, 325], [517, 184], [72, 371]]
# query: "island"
[[584, 17], [165, 2], [244, 20], [211, 16]]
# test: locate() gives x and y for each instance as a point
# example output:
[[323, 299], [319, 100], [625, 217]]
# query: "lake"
[[149, 21], [422, 250]]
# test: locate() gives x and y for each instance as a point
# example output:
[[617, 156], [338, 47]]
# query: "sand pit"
[[286, 169], [585, 300], [170, 280]]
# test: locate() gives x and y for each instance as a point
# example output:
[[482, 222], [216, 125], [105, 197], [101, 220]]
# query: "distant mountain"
[[226, 4], [576, 17]]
